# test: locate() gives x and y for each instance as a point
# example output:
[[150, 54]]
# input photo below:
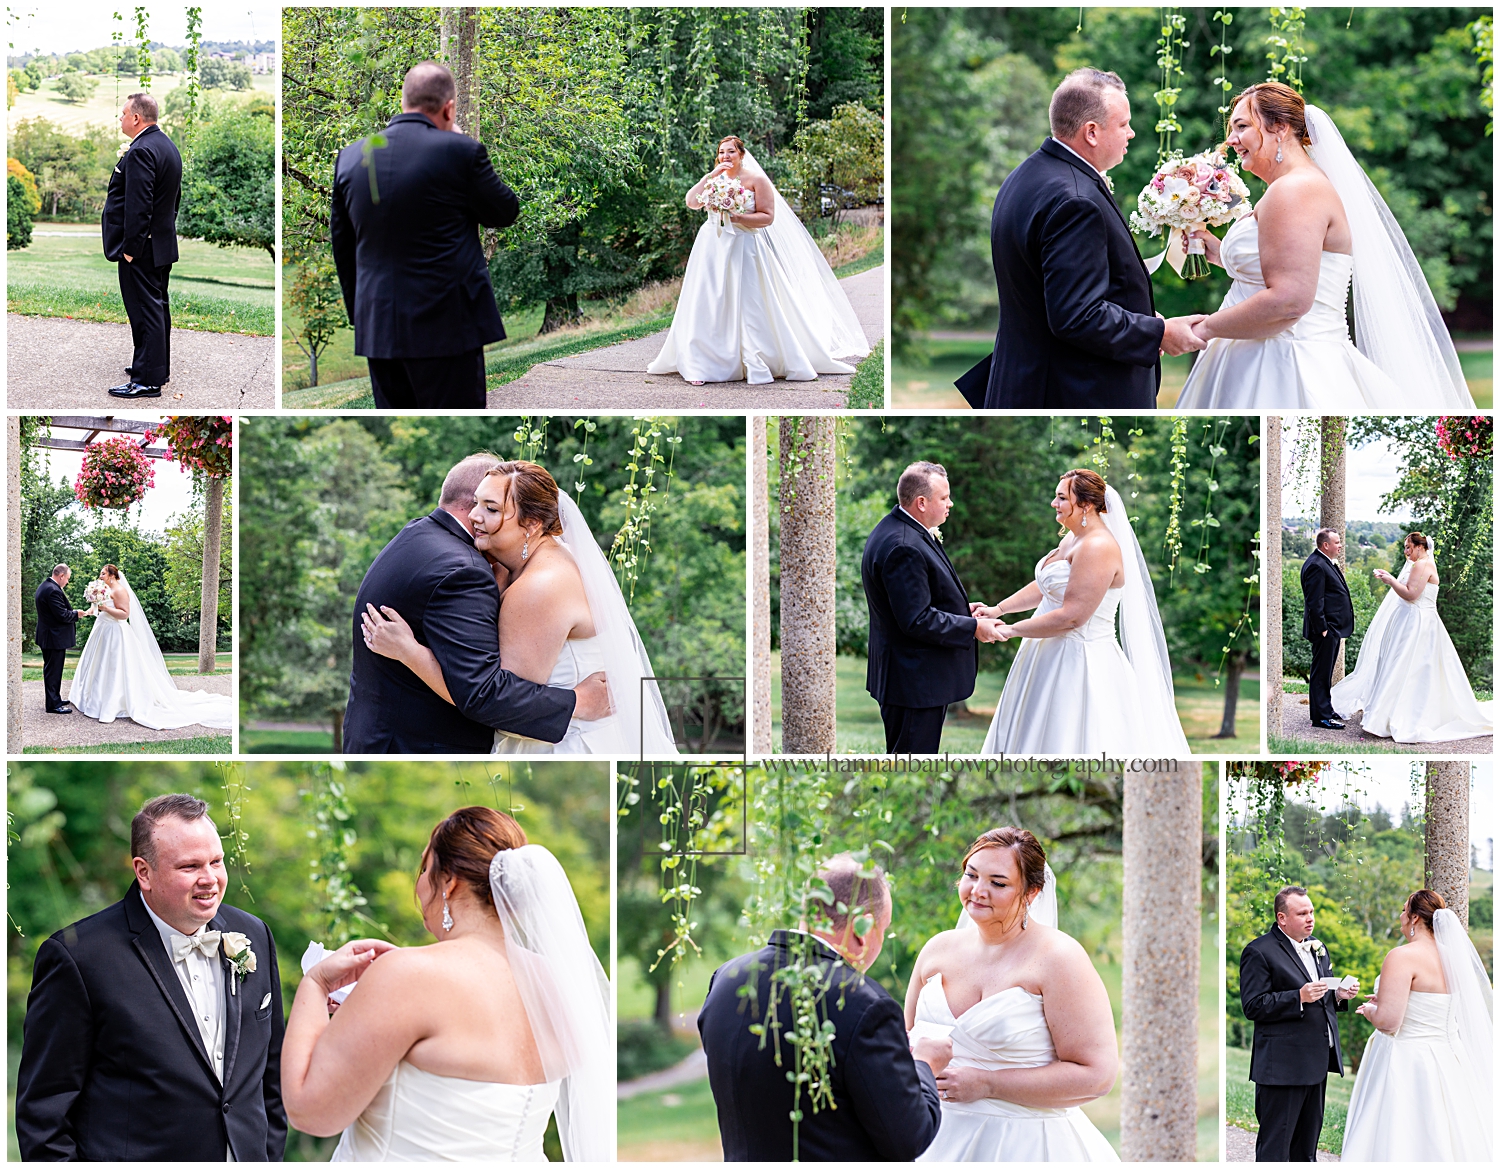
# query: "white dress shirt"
[[203, 980], [1309, 963], [1078, 156]]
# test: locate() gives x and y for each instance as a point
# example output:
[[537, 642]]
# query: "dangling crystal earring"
[[447, 917], [1085, 522], [525, 544], [1025, 915], [1278, 149]]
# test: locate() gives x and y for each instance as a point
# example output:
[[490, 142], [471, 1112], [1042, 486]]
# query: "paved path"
[[40, 729], [690, 1070], [61, 363], [1239, 1145], [615, 377], [1294, 724]]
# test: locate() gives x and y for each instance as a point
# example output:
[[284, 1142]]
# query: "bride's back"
[[1419, 961]]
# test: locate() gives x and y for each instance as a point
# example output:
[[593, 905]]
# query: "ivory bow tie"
[[207, 943]]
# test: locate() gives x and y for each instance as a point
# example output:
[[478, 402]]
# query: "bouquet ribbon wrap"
[[1178, 249]]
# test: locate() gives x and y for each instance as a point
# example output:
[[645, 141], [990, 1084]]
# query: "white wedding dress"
[[1408, 679], [579, 658], [122, 674], [759, 303]]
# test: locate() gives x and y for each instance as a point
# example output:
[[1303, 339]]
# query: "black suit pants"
[[52, 672], [1325, 652], [144, 291], [429, 383], [913, 730], [1291, 1118]]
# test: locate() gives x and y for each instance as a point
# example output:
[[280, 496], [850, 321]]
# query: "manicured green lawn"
[[103, 108], [285, 742], [680, 1124], [867, 386], [198, 745], [1240, 1101], [1291, 745], [179, 665]]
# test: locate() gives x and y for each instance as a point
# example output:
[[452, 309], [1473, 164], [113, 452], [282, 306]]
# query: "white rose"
[[250, 962], [233, 943]]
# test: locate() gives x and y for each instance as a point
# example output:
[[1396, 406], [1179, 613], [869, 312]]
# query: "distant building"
[[261, 62]]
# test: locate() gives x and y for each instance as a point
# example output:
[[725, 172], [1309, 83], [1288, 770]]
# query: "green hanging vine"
[[1223, 18], [1286, 50], [236, 838], [190, 62], [632, 543], [142, 48], [332, 830], [1169, 49], [1172, 539]]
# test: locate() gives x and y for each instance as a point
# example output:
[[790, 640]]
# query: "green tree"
[[216, 73], [318, 301], [76, 87], [17, 214], [845, 153], [229, 187]]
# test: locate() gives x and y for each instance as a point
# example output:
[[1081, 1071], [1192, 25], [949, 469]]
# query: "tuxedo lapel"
[[935, 546], [1057, 150], [147, 943], [233, 1004]]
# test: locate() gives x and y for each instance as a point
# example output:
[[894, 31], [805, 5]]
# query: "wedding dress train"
[[1408, 680], [122, 674]]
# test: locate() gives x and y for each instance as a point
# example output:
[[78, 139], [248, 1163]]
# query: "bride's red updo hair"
[[1029, 853], [1420, 541], [1423, 904], [534, 492], [1087, 488], [466, 842], [738, 143], [111, 571], [1275, 104]]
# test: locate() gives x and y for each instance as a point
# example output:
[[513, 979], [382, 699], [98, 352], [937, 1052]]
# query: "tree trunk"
[[208, 604], [561, 312], [1331, 508], [809, 692], [1236, 666], [312, 366], [760, 568], [338, 731], [1163, 840], [458, 33], [1270, 552], [1446, 839], [663, 1012], [13, 585]]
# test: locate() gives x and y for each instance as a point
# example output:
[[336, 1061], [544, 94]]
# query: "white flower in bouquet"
[[723, 197], [94, 592], [1186, 194]]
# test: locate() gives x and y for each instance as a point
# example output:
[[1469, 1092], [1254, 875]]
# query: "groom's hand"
[[980, 609], [987, 630], [1346, 993], [593, 698], [1313, 992], [1179, 338], [935, 1053]]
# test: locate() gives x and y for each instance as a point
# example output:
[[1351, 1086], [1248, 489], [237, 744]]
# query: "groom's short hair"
[[1324, 535], [1079, 99], [1288, 891], [464, 479], [143, 106], [428, 87], [853, 887], [60, 569], [153, 812], [916, 481]]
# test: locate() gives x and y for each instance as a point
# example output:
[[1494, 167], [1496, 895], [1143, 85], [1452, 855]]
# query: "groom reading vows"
[[1078, 324], [922, 652], [153, 1029], [1327, 618], [885, 1103], [1284, 991], [405, 227]]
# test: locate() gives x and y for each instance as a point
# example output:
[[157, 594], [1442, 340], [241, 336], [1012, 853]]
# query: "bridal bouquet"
[[94, 592], [1190, 193], [724, 196]]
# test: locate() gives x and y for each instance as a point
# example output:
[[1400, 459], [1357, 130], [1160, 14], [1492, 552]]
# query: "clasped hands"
[[988, 626], [956, 1085]]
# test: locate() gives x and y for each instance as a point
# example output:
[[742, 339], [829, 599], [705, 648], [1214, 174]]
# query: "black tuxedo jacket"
[[1077, 328], [56, 619], [887, 1103], [434, 577], [1291, 1037], [140, 208], [113, 1067], [1325, 599], [922, 650], [413, 273]]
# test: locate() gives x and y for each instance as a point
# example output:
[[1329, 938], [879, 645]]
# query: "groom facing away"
[[885, 1102], [405, 229], [143, 1041], [1078, 322], [1327, 618], [56, 634]]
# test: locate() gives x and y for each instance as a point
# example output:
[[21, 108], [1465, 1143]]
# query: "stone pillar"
[[1162, 930], [208, 603], [1331, 505], [809, 692], [1446, 835], [13, 585], [760, 590], [1270, 557]]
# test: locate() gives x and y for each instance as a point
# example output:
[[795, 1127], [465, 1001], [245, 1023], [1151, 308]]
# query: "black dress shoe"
[[124, 385], [1329, 724], [60, 710], [136, 390]]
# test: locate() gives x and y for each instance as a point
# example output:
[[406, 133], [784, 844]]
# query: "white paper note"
[[314, 954]]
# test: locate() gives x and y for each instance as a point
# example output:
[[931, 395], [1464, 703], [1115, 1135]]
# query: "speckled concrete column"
[[1331, 506], [760, 589], [1270, 555], [1159, 1042], [808, 553], [208, 593], [13, 584], [1447, 834]]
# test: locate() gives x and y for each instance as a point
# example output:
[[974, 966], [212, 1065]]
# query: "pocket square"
[[265, 1002]]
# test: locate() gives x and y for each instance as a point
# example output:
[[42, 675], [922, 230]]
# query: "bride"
[[460, 1051], [1423, 1090], [1072, 690], [562, 617], [1408, 679], [121, 673], [758, 299], [1012, 1017], [1280, 340]]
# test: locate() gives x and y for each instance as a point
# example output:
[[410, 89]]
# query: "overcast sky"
[[172, 494], [78, 25], [1370, 472]]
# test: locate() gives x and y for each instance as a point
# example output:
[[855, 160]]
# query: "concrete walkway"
[[1239, 1145], [1295, 725], [690, 1070], [40, 729], [615, 377], [60, 363]]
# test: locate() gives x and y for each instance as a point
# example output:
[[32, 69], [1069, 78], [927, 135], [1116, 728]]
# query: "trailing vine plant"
[[1172, 538], [190, 62], [1223, 18], [632, 543], [582, 459], [236, 838], [332, 828], [142, 47], [1286, 50], [1169, 50]]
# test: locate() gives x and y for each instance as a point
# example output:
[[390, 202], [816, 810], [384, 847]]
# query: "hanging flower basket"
[[1466, 437], [1290, 772], [115, 474], [199, 442]]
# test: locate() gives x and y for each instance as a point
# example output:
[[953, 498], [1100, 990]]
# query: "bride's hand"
[[980, 609], [1006, 631], [346, 964], [960, 1085], [388, 635], [1210, 245]]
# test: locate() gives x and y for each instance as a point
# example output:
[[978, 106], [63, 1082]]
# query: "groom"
[[443, 587], [922, 653], [1327, 618], [885, 1103], [1078, 323], [405, 228], [143, 1041], [1284, 992], [56, 634]]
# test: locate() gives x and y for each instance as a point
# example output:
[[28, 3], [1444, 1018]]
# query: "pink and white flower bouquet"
[[723, 197], [1185, 194], [94, 592]]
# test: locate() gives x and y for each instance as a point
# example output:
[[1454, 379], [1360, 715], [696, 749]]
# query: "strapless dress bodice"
[[1053, 578], [578, 658], [1240, 252], [1426, 1019], [1428, 599]]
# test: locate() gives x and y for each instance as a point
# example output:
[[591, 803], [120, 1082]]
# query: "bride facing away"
[[1012, 1017], [1073, 689], [1423, 1092], [562, 617], [1409, 682], [758, 300], [1280, 339], [122, 674], [460, 1051]]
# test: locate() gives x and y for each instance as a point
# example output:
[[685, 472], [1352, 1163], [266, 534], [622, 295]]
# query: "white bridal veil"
[[1470, 1001], [1396, 321], [565, 993]]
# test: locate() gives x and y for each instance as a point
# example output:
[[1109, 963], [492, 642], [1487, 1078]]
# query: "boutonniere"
[[124, 146], [936, 533], [241, 958], [1319, 950], [1108, 182]]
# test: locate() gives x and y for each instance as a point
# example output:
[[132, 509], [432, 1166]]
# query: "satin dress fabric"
[[119, 676], [579, 658]]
